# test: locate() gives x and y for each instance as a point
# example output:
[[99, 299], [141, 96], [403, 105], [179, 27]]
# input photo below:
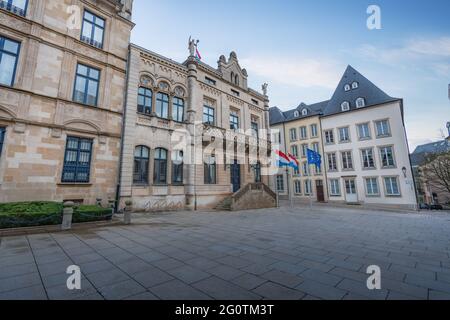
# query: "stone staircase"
[[252, 196], [225, 204]]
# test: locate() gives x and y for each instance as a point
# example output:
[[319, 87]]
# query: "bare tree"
[[437, 171]]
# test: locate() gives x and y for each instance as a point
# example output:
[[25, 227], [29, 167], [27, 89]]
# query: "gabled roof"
[[366, 89], [419, 155]]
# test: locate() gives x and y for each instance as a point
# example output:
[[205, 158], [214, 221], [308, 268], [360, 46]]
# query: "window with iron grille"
[[141, 162], [9, 53], [86, 85], [160, 173], [18, 7], [145, 100], [93, 29], [2, 138], [77, 161]]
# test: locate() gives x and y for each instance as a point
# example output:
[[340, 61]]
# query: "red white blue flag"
[[198, 55], [284, 160]]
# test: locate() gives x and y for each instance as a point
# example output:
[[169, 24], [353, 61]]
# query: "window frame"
[[363, 159], [86, 86], [298, 187], [210, 167], [77, 167], [16, 55], [279, 181], [345, 106], [10, 6], [336, 165], [304, 133], [177, 168], [385, 135], [293, 134], [157, 168], [208, 115], [177, 105], [2, 139], [368, 194], [347, 130], [308, 187], [359, 104], [346, 160], [333, 183], [329, 137], [315, 131], [91, 40], [143, 174], [234, 120], [369, 131], [162, 104], [386, 187], [380, 152], [146, 97]]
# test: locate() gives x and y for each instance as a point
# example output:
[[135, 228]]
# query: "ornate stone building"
[[176, 117], [62, 80]]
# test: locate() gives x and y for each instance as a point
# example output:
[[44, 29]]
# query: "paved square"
[[287, 253]]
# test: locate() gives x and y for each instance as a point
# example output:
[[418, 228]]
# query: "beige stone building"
[[176, 116], [62, 79], [300, 130]]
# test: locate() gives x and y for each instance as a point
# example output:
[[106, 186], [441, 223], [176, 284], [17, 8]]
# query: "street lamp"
[[404, 171]]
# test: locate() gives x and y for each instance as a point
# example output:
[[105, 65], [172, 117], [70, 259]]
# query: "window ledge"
[[75, 184]]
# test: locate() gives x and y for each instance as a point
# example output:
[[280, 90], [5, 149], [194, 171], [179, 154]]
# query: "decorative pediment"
[[6, 113], [82, 125], [232, 71]]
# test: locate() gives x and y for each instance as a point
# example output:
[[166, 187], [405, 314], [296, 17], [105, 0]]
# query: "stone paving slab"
[[287, 253]]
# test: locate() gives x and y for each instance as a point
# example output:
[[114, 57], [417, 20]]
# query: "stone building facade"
[[61, 98], [176, 116]]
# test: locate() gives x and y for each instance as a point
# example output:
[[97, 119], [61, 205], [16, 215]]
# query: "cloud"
[[299, 72], [432, 47]]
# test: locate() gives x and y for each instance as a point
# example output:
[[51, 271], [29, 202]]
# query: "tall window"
[[86, 85], [364, 131], [209, 115], [160, 172], [255, 129], [294, 151], [257, 169], [306, 171], [316, 147], [314, 132], [387, 157], [344, 135], [303, 133], [332, 162], [210, 170], [308, 187], [335, 188], [177, 167], [141, 162], [298, 187], [347, 161], [329, 137], [178, 109], [304, 150], [162, 105], [2, 138], [391, 185], [145, 100], [9, 53], [280, 183], [372, 187], [18, 7], [93, 29], [234, 120], [77, 161], [383, 128], [368, 159], [293, 134]]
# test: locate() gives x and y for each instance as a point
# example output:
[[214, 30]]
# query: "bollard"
[[67, 215], [127, 212]]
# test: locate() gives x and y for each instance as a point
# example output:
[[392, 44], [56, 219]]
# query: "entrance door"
[[320, 191], [351, 195], [236, 176]]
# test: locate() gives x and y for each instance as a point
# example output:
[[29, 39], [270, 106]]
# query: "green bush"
[[31, 214]]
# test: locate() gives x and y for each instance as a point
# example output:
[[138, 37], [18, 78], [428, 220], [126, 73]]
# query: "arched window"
[[160, 173], [360, 102], [305, 112], [345, 106], [178, 109], [145, 102], [232, 77], [177, 167], [141, 160], [347, 87], [355, 85], [162, 105]]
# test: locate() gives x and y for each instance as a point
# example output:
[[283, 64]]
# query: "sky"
[[301, 48]]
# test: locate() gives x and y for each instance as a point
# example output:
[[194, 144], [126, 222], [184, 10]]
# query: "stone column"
[[267, 127], [191, 118]]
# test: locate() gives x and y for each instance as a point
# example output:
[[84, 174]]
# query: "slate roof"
[[419, 155], [366, 89]]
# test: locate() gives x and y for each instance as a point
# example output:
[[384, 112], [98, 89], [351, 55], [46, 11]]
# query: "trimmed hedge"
[[32, 214]]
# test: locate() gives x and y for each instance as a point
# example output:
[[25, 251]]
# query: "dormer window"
[[296, 114], [345, 106], [360, 102], [304, 112], [355, 85], [347, 88]]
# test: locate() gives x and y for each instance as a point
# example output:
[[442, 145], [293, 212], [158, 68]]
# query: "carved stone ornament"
[[179, 92], [146, 81], [163, 86]]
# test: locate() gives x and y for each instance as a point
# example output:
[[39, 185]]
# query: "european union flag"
[[314, 158]]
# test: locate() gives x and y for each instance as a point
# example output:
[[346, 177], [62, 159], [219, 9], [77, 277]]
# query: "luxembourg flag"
[[198, 55], [286, 160]]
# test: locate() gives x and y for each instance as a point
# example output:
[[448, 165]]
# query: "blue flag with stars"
[[314, 158]]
